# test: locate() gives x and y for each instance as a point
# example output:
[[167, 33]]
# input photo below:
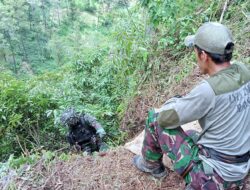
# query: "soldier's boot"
[[156, 169]]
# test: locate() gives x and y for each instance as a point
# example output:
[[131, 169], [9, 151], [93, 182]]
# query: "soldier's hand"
[[101, 132], [76, 147]]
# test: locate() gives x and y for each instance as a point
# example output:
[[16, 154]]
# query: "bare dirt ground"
[[105, 171], [111, 170]]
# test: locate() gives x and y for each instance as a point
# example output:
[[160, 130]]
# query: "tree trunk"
[[30, 16], [7, 36], [58, 13], [40, 47], [24, 50], [44, 14], [3, 55], [72, 10]]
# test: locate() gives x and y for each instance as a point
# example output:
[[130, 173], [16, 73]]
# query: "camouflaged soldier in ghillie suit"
[[85, 133], [218, 158]]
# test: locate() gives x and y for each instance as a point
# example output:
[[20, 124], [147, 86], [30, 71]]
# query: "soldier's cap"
[[212, 37]]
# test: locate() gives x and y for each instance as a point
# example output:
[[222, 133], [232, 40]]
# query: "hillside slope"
[[105, 171], [110, 170]]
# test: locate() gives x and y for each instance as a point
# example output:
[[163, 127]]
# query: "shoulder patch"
[[168, 118], [229, 79]]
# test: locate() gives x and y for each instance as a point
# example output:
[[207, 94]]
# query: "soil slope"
[[111, 170], [105, 171]]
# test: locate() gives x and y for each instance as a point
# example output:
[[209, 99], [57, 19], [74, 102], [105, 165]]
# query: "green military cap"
[[212, 37]]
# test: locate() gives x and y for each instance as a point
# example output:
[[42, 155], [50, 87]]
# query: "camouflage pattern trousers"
[[181, 149]]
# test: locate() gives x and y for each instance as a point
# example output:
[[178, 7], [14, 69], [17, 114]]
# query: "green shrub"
[[23, 120]]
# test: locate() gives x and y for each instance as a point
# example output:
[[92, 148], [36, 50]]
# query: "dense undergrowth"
[[106, 57]]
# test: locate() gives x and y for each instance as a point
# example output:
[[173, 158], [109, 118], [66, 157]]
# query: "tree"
[[25, 29]]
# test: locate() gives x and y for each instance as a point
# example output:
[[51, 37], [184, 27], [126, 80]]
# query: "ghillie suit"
[[85, 133]]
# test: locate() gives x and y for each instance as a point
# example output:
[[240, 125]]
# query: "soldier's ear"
[[203, 55]]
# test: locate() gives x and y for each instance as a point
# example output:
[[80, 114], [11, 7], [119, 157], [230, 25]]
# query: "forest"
[[113, 59]]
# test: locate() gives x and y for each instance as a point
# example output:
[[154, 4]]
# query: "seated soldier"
[[85, 133], [220, 157]]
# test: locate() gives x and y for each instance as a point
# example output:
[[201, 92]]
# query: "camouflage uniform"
[[83, 131], [182, 150]]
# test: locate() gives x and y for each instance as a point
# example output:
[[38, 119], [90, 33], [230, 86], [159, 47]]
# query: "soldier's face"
[[73, 121], [202, 61]]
